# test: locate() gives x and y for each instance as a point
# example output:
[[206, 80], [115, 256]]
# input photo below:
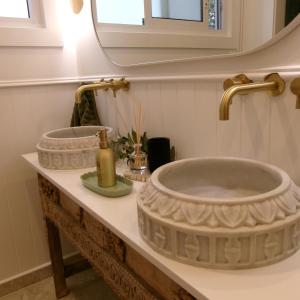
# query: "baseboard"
[[22, 280]]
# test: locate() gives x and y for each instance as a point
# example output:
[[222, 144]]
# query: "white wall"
[[260, 126], [24, 63], [257, 22], [26, 112]]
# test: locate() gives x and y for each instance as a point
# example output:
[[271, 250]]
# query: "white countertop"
[[276, 282]]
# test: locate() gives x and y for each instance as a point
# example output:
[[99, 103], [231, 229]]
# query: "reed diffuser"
[[138, 158]]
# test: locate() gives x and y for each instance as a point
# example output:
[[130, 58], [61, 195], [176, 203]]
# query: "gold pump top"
[[102, 133]]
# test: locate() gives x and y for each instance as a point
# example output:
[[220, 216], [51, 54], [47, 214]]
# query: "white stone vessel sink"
[[224, 213], [70, 148]]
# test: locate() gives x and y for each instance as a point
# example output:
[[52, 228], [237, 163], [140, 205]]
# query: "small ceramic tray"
[[123, 186]]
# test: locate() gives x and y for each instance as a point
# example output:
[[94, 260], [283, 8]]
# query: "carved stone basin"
[[70, 148], [225, 213]]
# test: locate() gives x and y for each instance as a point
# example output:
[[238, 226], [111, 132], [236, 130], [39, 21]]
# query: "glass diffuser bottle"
[[138, 159]]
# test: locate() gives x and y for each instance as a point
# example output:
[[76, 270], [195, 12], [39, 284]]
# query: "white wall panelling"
[[185, 119], [260, 126], [284, 135], [169, 105], [26, 113], [255, 125]]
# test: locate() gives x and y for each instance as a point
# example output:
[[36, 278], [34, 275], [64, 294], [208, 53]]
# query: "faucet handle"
[[295, 89], [236, 80]]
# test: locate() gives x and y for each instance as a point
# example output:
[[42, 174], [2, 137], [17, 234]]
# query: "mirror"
[[135, 32]]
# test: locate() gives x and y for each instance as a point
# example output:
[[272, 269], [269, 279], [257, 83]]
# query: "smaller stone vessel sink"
[[70, 148], [225, 213]]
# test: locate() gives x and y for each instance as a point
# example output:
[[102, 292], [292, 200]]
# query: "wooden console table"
[[105, 231], [129, 274]]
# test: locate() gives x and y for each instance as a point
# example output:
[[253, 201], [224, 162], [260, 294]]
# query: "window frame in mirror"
[[162, 33], [130, 57]]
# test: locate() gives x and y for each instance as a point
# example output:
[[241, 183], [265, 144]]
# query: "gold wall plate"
[[280, 87], [295, 89], [238, 79]]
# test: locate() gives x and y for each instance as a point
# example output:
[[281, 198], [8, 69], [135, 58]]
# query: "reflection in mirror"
[[14, 9], [130, 12], [172, 9], [292, 10], [193, 10], [135, 32], [215, 8]]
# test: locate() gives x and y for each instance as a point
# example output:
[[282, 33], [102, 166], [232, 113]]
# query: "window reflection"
[[130, 12], [215, 14], [189, 10], [14, 9]]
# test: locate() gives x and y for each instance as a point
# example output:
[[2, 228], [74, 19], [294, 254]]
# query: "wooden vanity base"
[[129, 274]]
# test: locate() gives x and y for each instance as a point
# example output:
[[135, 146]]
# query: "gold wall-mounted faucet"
[[113, 84], [272, 83], [295, 89]]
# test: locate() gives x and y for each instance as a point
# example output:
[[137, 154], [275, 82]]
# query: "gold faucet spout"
[[102, 85], [273, 82], [238, 90]]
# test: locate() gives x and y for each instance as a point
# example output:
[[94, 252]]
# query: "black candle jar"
[[158, 152]]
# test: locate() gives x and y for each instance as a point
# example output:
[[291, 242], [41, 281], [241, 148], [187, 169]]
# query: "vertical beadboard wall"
[[27, 112], [260, 126]]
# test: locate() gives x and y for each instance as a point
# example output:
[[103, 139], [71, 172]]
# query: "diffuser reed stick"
[[138, 125], [138, 119]]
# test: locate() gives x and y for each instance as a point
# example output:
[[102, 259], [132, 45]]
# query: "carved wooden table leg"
[[61, 289]]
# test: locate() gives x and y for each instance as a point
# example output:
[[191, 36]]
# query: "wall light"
[[76, 6]]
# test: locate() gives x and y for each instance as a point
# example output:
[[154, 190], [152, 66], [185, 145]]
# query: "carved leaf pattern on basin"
[[213, 215], [296, 235], [76, 159], [160, 237], [271, 246], [233, 251], [192, 247], [231, 216], [196, 213], [142, 224], [60, 144]]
